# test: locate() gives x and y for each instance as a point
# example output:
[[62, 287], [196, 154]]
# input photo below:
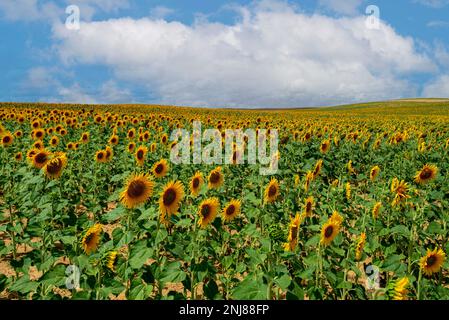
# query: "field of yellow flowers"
[[91, 207]]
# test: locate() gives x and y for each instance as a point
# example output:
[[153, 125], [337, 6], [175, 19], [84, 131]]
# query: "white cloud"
[[347, 7], [438, 24], [438, 88], [271, 58]]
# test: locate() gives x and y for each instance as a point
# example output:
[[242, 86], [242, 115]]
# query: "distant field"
[[91, 207]]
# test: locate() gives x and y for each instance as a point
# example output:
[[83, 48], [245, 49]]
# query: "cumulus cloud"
[[270, 58], [438, 88]]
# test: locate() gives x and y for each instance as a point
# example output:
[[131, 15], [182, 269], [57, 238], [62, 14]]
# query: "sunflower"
[[359, 247], [54, 141], [400, 189], [85, 137], [141, 154], [231, 210], [113, 140], [38, 134], [329, 231], [53, 168], [164, 138], [325, 146], [109, 153], [348, 190], [170, 199], [196, 183], [111, 259], [18, 133], [215, 178], [131, 133], [7, 139], [293, 230], [92, 238], [308, 206], [271, 191], [38, 145], [160, 168], [138, 189], [153, 147], [70, 146], [376, 209], [100, 156], [334, 183], [374, 173], [131, 147], [309, 178], [399, 291], [296, 178], [19, 156], [336, 217], [317, 169], [350, 167], [432, 262], [208, 211], [426, 174], [40, 158]]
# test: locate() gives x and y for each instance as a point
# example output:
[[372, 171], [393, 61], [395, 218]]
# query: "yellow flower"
[[360, 246], [374, 172], [170, 200], [231, 210], [271, 191], [137, 191], [432, 262], [92, 238], [293, 231], [208, 211], [400, 289], [376, 209], [426, 174]]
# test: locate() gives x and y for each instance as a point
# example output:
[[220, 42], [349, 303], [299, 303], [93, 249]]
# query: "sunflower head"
[[114, 140], [432, 262], [329, 231], [208, 211], [271, 191], [7, 139], [325, 146], [308, 206], [376, 209], [170, 200], [196, 183], [160, 168], [360, 245], [374, 173], [111, 260], [293, 231], [100, 156], [85, 137], [91, 238], [426, 174], [398, 290], [18, 156], [40, 158], [131, 147], [138, 189], [317, 169], [54, 167], [215, 179], [141, 154], [231, 210]]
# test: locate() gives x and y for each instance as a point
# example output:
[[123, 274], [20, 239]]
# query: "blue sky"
[[223, 54]]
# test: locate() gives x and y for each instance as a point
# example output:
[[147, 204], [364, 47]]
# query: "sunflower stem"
[[419, 285]]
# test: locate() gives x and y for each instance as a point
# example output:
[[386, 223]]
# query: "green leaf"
[[115, 214], [283, 282], [56, 276], [401, 230], [138, 258], [24, 285], [173, 273], [250, 289]]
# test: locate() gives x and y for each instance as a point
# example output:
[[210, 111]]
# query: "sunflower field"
[[91, 207]]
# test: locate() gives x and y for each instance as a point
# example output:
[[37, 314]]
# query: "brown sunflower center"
[[214, 177], [54, 166], [272, 191], [6, 139], [39, 134], [309, 206], [136, 189], [195, 183], [100, 156], [159, 168], [89, 238], [431, 261], [426, 173], [328, 232], [40, 158], [169, 197], [205, 211], [140, 154], [230, 210]]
